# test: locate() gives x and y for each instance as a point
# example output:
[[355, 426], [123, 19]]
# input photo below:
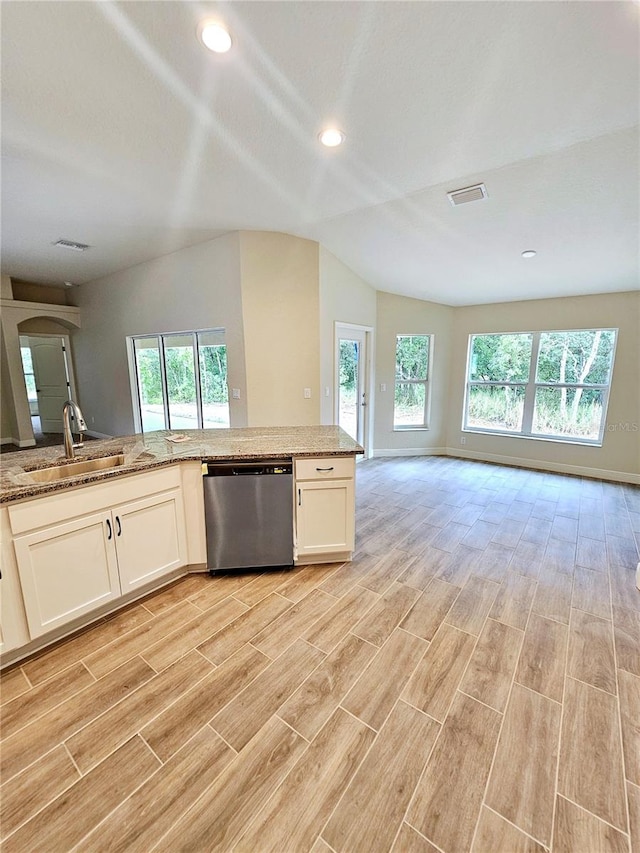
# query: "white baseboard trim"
[[553, 467], [95, 434], [411, 451], [27, 442]]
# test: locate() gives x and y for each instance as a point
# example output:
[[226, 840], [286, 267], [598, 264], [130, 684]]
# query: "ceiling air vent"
[[467, 194], [71, 244]]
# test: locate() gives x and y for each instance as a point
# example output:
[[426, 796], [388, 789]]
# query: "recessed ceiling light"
[[331, 137], [530, 253], [215, 36]]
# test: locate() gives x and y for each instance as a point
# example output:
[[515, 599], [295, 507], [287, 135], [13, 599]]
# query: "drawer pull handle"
[[325, 469], [299, 497], [109, 529], [119, 525]]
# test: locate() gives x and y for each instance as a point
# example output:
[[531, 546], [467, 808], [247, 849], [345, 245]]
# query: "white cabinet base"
[[325, 510], [66, 570]]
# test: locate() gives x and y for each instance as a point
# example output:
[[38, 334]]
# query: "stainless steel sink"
[[71, 469]]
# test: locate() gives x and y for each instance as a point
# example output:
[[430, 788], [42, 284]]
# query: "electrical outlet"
[[235, 393], [327, 391], [383, 386], [463, 439], [307, 393]]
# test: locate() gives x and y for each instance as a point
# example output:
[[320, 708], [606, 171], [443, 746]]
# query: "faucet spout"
[[70, 407]]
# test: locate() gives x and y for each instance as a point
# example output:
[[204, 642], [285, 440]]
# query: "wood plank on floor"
[[369, 814], [238, 793], [590, 769], [541, 666], [629, 686], [576, 829], [31, 790], [457, 774], [409, 840], [303, 803], [591, 656], [327, 631], [108, 731], [22, 710], [247, 712], [171, 729], [376, 691], [429, 611], [378, 624], [173, 646], [284, 630], [234, 635], [472, 605], [492, 665], [127, 646], [514, 599], [75, 812], [70, 651], [154, 807], [436, 678], [46, 732], [523, 779], [496, 835], [309, 708]]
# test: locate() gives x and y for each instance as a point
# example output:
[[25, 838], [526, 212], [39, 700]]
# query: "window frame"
[[161, 347], [426, 382], [531, 386]]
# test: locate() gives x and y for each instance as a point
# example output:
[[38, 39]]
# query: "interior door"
[[52, 380], [351, 384]]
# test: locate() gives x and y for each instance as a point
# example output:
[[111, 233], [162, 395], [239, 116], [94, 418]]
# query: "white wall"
[[400, 315], [344, 298], [620, 453], [194, 288], [280, 308]]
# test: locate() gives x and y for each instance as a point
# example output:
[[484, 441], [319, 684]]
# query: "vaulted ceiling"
[[120, 130]]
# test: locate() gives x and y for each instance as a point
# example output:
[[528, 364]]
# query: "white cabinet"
[[67, 570], [14, 631], [150, 538], [81, 549], [325, 509]]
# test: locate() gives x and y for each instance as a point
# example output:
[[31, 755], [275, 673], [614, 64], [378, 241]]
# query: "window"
[[180, 380], [411, 401], [29, 376], [564, 397]]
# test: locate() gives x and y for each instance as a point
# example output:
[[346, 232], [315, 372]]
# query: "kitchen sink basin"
[[72, 469]]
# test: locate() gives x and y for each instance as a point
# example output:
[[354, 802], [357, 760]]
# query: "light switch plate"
[[235, 393], [307, 393]]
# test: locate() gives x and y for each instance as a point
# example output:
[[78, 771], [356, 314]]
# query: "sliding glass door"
[[181, 380]]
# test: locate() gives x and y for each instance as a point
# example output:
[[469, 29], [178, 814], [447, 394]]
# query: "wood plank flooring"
[[470, 682]]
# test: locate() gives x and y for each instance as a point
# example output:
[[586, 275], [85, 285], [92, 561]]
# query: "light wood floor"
[[470, 682]]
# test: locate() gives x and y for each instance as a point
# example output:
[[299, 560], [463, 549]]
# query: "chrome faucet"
[[81, 427]]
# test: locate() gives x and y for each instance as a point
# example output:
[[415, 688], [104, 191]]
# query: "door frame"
[[66, 344], [342, 331]]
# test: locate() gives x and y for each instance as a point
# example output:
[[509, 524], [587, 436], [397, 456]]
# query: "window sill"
[[411, 429], [553, 440]]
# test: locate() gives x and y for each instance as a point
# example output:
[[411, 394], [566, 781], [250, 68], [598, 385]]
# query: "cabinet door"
[[66, 570], [325, 516], [150, 538]]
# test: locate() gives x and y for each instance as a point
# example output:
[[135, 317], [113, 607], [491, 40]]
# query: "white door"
[[52, 380], [352, 382], [150, 538], [67, 570]]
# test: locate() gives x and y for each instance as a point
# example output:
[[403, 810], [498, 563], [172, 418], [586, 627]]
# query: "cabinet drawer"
[[325, 468]]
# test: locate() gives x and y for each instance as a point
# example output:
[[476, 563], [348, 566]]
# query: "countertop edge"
[[12, 492]]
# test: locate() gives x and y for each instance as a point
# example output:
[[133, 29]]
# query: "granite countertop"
[[152, 450]]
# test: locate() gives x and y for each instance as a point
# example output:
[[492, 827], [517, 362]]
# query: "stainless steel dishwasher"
[[248, 508]]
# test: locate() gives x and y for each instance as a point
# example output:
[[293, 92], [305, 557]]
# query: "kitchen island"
[[78, 545]]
